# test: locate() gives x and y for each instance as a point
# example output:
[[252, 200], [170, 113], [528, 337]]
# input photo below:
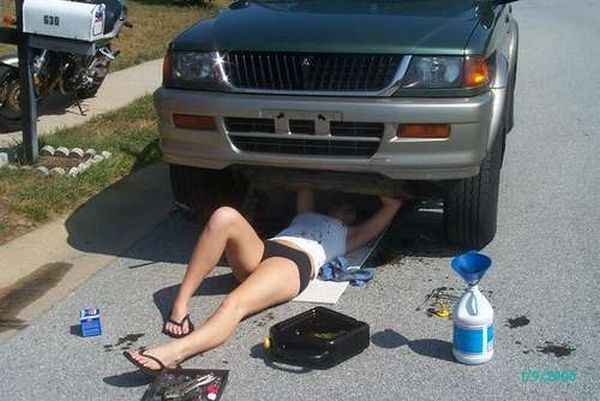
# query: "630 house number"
[[51, 20]]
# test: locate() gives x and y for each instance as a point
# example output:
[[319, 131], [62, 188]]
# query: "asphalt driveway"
[[545, 256]]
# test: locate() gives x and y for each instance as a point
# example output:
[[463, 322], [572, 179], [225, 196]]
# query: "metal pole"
[[28, 101]]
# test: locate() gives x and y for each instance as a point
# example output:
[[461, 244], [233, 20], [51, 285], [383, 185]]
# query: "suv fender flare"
[[500, 89], [513, 47]]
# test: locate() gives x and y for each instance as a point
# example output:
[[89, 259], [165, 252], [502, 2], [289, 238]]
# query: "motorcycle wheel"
[[100, 73], [10, 94]]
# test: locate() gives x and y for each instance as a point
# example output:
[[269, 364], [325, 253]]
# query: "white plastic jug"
[[473, 316]]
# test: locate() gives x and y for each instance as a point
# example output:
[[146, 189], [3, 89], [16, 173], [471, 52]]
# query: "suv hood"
[[337, 26]]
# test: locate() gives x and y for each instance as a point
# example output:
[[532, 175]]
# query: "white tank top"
[[322, 237]]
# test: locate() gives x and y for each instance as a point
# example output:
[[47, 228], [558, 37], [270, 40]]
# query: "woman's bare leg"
[[226, 231], [275, 281]]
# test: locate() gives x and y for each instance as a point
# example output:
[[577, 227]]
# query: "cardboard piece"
[[329, 292]]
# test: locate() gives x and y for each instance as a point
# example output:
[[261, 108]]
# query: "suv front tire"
[[471, 204]]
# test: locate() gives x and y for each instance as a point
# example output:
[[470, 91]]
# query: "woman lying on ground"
[[270, 272]]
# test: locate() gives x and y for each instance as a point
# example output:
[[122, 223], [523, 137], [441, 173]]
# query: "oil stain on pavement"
[[440, 302], [125, 343], [517, 322], [25, 291], [558, 350]]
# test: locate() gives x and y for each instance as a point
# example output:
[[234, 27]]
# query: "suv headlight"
[[446, 72], [194, 70]]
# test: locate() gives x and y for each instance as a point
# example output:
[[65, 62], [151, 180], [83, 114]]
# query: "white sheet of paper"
[[329, 292]]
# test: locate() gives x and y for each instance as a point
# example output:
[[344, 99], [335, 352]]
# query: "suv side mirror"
[[484, 10]]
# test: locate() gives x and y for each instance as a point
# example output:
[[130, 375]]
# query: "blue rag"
[[339, 269]]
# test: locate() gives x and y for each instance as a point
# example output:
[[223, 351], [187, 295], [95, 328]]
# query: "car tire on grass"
[[471, 204], [199, 192]]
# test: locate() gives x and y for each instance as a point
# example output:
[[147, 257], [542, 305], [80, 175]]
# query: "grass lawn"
[[28, 199], [156, 22]]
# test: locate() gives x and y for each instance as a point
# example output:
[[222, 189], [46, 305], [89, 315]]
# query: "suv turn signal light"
[[427, 131], [477, 72], [190, 121]]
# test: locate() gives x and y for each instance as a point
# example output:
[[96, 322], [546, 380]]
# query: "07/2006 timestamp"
[[548, 376]]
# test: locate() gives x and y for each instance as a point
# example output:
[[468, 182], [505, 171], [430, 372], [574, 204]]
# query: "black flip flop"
[[186, 318], [146, 370]]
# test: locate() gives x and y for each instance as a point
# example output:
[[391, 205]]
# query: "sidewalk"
[[48, 264], [62, 254], [119, 89]]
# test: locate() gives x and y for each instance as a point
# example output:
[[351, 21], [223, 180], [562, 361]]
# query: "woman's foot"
[[154, 360], [179, 324]]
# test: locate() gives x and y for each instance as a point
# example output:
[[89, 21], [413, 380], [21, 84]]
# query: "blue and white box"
[[89, 320]]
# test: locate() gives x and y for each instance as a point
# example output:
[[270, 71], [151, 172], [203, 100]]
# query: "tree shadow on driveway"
[[114, 220]]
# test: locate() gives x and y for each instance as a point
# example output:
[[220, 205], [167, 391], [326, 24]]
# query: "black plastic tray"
[[318, 337]]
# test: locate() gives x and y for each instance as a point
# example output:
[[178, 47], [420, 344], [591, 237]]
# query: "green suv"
[[364, 96]]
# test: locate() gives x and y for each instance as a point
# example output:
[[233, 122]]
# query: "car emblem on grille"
[[305, 65]]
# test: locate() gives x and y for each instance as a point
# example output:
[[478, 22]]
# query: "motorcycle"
[[65, 73]]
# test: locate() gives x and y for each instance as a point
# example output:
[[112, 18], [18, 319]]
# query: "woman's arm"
[[305, 201], [370, 229]]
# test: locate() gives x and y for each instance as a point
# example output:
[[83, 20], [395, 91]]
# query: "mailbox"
[[64, 19]]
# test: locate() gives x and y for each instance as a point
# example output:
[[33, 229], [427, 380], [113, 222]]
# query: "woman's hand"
[[390, 202], [305, 200], [371, 228]]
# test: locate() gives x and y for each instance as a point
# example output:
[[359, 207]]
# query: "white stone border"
[[75, 153]]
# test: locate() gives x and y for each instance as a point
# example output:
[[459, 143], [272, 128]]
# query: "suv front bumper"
[[473, 122]]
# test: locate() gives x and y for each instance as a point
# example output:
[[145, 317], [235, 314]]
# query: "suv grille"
[[238, 124], [372, 130], [316, 147], [310, 72], [345, 139]]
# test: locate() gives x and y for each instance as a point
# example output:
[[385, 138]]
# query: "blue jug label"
[[473, 341]]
